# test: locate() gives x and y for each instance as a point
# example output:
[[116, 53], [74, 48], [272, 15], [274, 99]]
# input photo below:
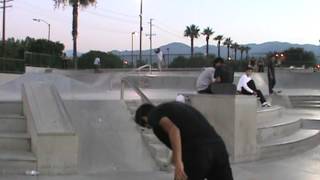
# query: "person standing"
[[97, 64], [247, 86], [160, 58], [198, 152], [271, 75]]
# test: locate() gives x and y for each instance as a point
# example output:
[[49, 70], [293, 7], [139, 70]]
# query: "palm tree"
[[228, 43], [219, 38], [75, 8], [207, 32], [192, 31], [247, 49], [242, 49], [235, 46]]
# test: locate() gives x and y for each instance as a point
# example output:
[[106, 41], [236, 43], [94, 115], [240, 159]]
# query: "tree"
[[247, 49], [235, 47], [108, 60], [297, 57], [228, 43], [192, 31], [207, 32], [75, 8], [219, 38], [242, 50]]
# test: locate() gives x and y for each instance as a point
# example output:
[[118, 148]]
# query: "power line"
[[117, 13], [166, 31], [120, 20]]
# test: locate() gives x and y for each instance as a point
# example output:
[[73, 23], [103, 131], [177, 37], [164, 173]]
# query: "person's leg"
[[220, 167], [270, 85], [252, 85], [261, 96], [206, 91], [197, 163]]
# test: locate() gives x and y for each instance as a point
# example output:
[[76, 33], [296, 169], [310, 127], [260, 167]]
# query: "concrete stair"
[[159, 152], [15, 143], [300, 141], [16, 162], [280, 133], [278, 128], [312, 102]]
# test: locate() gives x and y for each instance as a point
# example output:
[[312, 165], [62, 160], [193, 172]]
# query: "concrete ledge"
[[234, 118], [53, 138]]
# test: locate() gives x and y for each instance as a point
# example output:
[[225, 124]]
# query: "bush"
[[194, 62], [108, 60]]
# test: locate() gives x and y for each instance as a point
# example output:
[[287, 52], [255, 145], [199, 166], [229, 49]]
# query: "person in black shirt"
[[271, 75], [198, 151]]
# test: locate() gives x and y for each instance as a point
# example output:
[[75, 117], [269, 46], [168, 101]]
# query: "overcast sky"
[[108, 25]]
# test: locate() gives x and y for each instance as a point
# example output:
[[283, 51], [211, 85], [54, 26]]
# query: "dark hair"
[[142, 111], [218, 60], [248, 68]]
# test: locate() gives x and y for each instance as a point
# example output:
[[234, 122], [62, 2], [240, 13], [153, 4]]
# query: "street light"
[[49, 26], [141, 29], [132, 35]]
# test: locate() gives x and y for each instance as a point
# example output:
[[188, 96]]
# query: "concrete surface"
[[99, 159], [53, 138], [234, 118]]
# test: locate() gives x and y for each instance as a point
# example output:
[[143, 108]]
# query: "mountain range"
[[256, 49]]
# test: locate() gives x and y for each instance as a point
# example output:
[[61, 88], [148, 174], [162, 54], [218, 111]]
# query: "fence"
[[45, 60], [10, 65]]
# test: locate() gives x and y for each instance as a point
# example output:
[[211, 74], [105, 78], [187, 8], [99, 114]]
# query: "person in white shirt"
[[247, 86], [160, 58], [206, 77], [96, 64]]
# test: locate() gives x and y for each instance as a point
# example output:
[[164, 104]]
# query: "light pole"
[[168, 50], [141, 29], [49, 26], [132, 34]]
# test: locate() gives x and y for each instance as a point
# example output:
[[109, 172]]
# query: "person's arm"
[[217, 75], [244, 84], [175, 139]]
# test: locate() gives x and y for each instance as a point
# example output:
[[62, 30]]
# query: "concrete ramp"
[[108, 137]]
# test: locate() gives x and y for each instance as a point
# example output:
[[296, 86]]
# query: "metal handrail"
[[145, 66], [143, 97]]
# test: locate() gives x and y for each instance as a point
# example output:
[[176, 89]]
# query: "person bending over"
[[198, 151], [247, 86], [206, 78]]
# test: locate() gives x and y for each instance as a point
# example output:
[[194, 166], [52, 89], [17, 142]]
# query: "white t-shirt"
[[97, 61], [160, 56], [205, 78], [243, 83]]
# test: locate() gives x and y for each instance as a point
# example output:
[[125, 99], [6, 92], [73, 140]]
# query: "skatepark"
[[103, 142]]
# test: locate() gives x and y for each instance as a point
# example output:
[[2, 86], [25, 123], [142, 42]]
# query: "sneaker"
[[266, 104]]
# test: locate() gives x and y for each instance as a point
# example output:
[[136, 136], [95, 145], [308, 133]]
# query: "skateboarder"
[[198, 151]]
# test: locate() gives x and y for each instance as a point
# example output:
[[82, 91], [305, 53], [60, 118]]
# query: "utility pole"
[[133, 64], [4, 6], [150, 37], [141, 29]]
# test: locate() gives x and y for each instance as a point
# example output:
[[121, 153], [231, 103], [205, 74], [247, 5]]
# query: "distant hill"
[[69, 53], [256, 49]]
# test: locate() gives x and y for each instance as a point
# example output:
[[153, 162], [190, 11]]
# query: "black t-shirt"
[[225, 73], [194, 129]]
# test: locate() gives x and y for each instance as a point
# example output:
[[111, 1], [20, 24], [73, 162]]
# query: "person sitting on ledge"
[[206, 78], [198, 152], [247, 86]]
